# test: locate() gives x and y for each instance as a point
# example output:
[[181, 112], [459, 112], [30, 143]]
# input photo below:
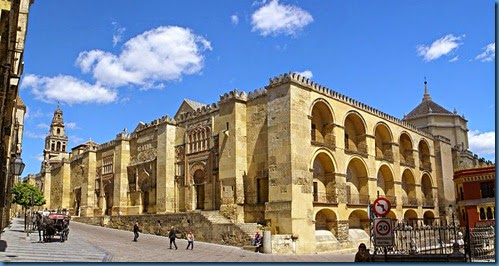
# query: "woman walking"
[[190, 240], [136, 231], [172, 235]]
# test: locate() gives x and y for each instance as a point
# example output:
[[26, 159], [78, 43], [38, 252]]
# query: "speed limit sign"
[[383, 232]]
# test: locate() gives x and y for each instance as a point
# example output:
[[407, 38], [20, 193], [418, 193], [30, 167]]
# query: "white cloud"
[[118, 33], [162, 54], [67, 89], [489, 54], [75, 139], [33, 135], [234, 19], [275, 19], [440, 47], [482, 143], [454, 59], [43, 126], [39, 157], [307, 73], [71, 125], [32, 115]]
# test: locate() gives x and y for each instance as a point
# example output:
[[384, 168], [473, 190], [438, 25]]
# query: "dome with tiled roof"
[[426, 107]]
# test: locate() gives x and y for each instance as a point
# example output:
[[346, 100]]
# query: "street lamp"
[[16, 166]]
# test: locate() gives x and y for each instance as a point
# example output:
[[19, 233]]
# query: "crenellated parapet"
[[207, 109], [233, 95], [164, 119], [106, 145], [308, 83], [257, 94]]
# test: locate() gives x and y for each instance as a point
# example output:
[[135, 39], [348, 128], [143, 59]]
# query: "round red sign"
[[381, 206]]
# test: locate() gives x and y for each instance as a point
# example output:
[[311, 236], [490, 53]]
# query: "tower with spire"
[[435, 119], [56, 141]]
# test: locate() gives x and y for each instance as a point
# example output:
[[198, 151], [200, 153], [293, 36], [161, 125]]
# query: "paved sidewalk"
[[15, 246], [87, 243]]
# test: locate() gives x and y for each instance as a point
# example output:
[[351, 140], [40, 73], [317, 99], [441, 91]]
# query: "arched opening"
[[355, 135], [424, 156], [356, 183], [324, 182], [383, 143], [199, 178], [408, 190], [326, 219], [405, 150], [386, 185], [359, 226], [482, 214], [426, 189], [428, 218], [411, 216], [322, 125], [489, 214]]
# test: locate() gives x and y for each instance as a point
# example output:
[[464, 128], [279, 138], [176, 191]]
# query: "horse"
[[45, 227]]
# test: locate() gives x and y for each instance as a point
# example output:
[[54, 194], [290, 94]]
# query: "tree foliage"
[[27, 195]]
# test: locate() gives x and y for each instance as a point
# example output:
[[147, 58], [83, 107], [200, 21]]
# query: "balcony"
[[360, 149], [386, 155], [329, 142], [392, 199], [428, 202], [325, 198], [358, 199], [407, 161], [425, 166], [410, 202]]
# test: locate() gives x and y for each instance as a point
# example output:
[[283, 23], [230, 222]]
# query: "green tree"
[[27, 195]]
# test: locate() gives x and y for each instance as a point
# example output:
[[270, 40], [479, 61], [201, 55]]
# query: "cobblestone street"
[[88, 243]]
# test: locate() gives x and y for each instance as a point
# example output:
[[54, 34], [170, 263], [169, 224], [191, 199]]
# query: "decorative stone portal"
[[199, 178]]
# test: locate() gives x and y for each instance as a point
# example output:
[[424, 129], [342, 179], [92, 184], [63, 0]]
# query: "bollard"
[[267, 242]]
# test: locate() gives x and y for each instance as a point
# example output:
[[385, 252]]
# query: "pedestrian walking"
[[172, 235], [136, 231], [259, 244], [255, 238], [190, 240]]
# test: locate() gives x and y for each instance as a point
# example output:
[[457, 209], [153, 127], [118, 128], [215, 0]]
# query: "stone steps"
[[216, 218]]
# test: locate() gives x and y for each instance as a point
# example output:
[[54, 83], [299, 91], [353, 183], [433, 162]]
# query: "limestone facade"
[[295, 156]]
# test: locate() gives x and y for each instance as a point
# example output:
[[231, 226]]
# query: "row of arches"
[[198, 139], [356, 133], [327, 219], [327, 189]]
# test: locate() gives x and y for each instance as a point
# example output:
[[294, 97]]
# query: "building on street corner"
[[13, 26], [295, 156]]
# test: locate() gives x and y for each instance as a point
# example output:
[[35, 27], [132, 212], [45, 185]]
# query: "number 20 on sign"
[[383, 233]]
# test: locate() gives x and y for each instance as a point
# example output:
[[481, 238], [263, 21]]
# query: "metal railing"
[[482, 243], [410, 202], [325, 197], [358, 199], [429, 236]]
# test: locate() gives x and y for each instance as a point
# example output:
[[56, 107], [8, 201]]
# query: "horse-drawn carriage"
[[54, 224]]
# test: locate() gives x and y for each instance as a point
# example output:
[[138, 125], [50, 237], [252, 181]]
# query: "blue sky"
[[114, 63]]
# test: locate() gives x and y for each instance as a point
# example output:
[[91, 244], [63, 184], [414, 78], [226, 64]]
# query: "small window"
[[489, 214], [487, 189], [482, 214]]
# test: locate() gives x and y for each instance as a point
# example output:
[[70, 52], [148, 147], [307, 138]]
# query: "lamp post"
[[17, 166]]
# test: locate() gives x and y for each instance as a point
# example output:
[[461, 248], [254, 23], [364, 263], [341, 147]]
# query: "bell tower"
[[56, 141]]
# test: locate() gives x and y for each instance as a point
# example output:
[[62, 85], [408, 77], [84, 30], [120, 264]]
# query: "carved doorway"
[[199, 177], [77, 193]]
